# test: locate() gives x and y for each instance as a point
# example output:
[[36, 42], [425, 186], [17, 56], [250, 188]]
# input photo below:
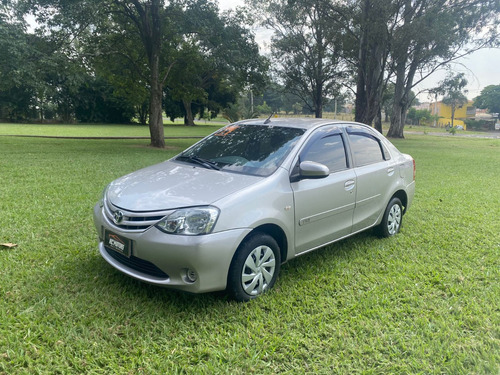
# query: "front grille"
[[132, 221], [137, 264]]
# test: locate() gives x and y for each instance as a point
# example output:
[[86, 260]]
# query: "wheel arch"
[[277, 233], [403, 197]]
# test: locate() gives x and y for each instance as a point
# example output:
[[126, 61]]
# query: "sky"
[[230, 4], [482, 68]]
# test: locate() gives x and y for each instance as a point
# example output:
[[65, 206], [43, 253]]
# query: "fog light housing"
[[191, 275]]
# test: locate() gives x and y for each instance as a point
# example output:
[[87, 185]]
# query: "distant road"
[[489, 135]]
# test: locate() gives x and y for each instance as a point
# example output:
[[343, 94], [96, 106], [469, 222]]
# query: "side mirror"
[[311, 169]]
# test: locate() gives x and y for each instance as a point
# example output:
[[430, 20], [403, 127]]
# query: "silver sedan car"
[[228, 211]]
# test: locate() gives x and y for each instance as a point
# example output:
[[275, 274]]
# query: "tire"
[[254, 268], [392, 220]]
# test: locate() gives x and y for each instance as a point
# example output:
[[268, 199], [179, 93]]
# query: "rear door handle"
[[390, 171]]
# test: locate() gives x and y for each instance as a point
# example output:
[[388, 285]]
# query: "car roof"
[[301, 123]]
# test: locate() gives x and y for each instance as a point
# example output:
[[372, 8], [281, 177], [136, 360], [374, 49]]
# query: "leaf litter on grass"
[[8, 245]]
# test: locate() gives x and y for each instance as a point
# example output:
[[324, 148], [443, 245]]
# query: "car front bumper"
[[173, 261]]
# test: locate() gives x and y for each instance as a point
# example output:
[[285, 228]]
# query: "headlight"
[[190, 221]]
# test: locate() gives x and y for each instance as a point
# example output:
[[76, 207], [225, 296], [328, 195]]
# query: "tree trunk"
[[378, 120], [318, 105], [142, 111], [398, 117], [188, 118], [318, 110], [399, 106], [397, 121], [148, 23], [372, 58], [360, 102], [155, 108], [156, 117]]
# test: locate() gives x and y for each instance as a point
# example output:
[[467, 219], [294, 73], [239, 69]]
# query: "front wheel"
[[254, 268], [392, 220]]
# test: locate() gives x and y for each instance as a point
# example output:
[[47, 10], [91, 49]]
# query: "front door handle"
[[349, 185]]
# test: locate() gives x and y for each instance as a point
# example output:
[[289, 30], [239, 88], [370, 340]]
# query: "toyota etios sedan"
[[228, 211]]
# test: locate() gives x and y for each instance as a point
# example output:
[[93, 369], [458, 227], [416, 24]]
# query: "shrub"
[[480, 124]]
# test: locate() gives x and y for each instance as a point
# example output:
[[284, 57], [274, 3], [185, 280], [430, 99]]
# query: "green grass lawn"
[[426, 301]]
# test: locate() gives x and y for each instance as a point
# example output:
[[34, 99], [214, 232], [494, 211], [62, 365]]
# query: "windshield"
[[250, 149]]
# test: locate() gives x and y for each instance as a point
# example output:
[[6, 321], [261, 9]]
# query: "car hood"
[[170, 185]]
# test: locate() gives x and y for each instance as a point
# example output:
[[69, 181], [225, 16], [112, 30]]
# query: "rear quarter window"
[[365, 149]]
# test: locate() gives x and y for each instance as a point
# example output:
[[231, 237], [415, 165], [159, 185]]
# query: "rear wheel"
[[254, 268], [392, 220]]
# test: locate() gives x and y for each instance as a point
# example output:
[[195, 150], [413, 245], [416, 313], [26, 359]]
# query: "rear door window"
[[365, 147]]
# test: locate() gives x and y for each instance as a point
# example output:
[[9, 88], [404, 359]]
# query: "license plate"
[[117, 243]]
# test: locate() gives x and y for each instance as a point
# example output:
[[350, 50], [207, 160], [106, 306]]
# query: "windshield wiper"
[[200, 161]]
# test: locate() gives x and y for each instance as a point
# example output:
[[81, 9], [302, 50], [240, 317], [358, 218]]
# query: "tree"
[[430, 34], [417, 115], [373, 22], [188, 80], [489, 99], [149, 18], [38, 81], [387, 101], [123, 68], [451, 88], [89, 20], [98, 103], [306, 49], [242, 109], [217, 59], [18, 76], [276, 97]]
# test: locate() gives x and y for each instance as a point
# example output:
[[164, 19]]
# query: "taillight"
[[414, 169]]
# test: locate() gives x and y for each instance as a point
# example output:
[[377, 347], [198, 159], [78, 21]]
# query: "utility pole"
[[435, 109]]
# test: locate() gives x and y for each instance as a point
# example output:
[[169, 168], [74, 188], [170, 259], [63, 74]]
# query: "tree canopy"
[[489, 99], [306, 49]]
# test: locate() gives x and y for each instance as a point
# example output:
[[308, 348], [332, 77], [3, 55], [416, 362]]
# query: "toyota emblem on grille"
[[118, 217]]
